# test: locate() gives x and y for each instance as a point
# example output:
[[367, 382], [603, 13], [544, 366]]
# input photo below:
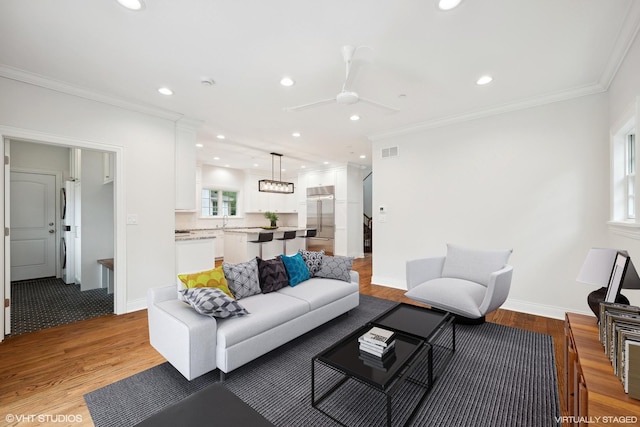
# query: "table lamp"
[[608, 268]]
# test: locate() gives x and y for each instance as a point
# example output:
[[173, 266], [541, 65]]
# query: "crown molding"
[[188, 123], [488, 112], [626, 36], [66, 88]]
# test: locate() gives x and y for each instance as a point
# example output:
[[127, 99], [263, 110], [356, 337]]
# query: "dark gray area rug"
[[498, 376], [44, 303]]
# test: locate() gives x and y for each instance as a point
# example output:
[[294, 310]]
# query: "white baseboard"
[[137, 305], [391, 282], [544, 310]]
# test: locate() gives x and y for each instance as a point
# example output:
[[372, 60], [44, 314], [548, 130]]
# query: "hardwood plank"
[[48, 372]]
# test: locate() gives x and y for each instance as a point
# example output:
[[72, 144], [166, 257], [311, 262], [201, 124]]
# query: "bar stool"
[[288, 235], [262, 238], [312, 232]]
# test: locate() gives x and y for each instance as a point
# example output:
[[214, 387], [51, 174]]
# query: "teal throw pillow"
[[296, 268]]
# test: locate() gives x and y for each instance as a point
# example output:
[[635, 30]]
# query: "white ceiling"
[[536, 50]]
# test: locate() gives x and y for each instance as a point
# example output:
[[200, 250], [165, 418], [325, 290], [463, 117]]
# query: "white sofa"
[[195, 344]]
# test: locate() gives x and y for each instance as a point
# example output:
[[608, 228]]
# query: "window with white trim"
[[630, 175], [216, 202], [623, 173]]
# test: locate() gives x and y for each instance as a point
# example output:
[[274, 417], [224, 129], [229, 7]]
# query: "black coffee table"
[[424, 323], [417, 332]]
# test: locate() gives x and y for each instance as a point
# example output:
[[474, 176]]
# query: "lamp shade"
[[596, 269]]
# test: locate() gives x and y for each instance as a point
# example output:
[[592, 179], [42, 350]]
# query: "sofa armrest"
[[421, 270], [184, 337], [164, 293], [355, 277], [497, 290]]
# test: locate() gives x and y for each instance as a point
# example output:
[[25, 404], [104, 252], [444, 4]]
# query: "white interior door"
[[33, 229]]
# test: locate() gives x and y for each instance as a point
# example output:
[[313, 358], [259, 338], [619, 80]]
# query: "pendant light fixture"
[[273, 186]]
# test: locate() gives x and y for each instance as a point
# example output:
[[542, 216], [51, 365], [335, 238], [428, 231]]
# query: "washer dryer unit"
[[67, 259]]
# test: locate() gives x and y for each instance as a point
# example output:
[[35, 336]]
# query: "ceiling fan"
[[346, 97]]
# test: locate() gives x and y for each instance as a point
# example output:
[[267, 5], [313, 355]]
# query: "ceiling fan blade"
[[377, 104], [311, 105]]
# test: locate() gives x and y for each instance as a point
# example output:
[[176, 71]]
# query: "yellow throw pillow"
[[206, 279]]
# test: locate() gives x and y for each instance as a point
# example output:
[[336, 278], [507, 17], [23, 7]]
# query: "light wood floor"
[[47, 372]]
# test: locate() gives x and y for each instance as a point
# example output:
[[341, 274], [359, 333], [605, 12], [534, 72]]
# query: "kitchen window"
[[217, 202]]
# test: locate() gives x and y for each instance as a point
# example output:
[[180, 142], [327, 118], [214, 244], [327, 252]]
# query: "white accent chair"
[[467, 282]]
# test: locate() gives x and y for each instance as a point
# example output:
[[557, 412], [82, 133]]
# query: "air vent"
[[389, 152]]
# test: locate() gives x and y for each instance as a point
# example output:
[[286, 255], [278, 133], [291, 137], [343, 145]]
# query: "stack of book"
[[620, 336], [377, 348]]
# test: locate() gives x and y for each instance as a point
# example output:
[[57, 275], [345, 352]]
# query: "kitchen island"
[[238, 247], [195, 251]]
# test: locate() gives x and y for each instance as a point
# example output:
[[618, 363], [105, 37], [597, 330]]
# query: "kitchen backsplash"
[[191, 221]]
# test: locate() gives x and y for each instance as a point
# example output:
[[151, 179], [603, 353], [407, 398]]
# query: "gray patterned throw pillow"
[[336, 267], [313, 260], [242, 278], [213, 302]]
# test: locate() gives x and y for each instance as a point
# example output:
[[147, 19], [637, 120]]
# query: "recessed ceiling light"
[[199, 145], [132, 4], [287, 82], [326, 163], [220, 136], [165, 91], [448, 4], [216, 158], [226, 166], [362, 156], [303, 167], [296, 134], [354, 118], [255, 165], [484, 80]]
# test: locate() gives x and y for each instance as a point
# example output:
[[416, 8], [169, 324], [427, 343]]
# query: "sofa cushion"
[[206, 279], [267, 312], [473, 265], [319, 292], [296, 269], [336, 267], [273, 275], [455, 295], [242, 278], [213, 302], [313, 260]]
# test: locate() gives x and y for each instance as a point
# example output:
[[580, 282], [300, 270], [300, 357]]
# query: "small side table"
[[106, 267]]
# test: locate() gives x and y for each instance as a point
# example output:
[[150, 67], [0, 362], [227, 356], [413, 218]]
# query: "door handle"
[[50, 224], [52, 231]]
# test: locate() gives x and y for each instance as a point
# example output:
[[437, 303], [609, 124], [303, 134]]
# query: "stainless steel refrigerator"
[[321, 216]]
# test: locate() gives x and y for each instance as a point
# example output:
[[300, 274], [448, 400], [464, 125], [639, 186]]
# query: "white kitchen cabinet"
[[219, 243], [185, 191], [195, 255], [320, 178], [108, 167]]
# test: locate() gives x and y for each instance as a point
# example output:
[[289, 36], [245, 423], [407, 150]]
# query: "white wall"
[[148, 148], [97, 231], [624, 90], [534, 180]]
